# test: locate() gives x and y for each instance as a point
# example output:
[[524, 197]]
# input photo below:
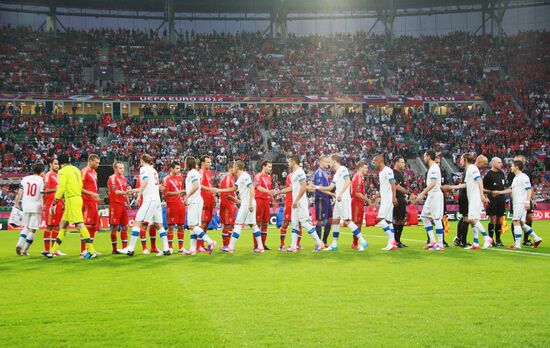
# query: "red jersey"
[[50, 182], [228, 181], [264, 181], [288, 183], [89, 182], [357, 186], [117, 183], [206, 180], [173, 183]]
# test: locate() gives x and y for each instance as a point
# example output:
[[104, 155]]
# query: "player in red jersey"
[[228, 204], [90, 199], [287, 215], [52, 219], [145, 226], [264, 195], [175, 208], [118, 205], [207, 197], [358, 198]]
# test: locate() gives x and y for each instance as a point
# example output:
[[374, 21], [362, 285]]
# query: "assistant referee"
[[495, 180]]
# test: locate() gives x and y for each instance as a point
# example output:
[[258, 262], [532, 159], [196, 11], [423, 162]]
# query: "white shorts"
[[386, 211], [194, 214], [301, 216], [433, 206], [342, 210], [520, 213], [475, 206], [32, 220], [245, 216], [150, 212]]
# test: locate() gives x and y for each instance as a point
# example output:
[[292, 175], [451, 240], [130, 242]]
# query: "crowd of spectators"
[[253, 64], [250, 64], [223, 133]]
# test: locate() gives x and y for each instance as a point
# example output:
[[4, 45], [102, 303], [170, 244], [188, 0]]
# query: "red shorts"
[[175, 214], [53, 219], [263, 214], [288, 212], [90, 213], [118, 215], [357, 213], [207, 213], [227, 214]]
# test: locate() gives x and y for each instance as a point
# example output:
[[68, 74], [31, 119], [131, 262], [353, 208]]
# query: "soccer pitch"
[[408, 297]]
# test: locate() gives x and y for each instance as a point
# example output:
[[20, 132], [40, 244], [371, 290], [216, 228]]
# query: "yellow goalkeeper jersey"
[[70, 182]]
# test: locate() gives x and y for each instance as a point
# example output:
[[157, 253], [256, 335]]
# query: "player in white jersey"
[[300, 207], [342, 207], [433, 206], [150, 211], [194, 203], [474, 191], [388, 199], [29, 200], [521, 191], [247, 210]]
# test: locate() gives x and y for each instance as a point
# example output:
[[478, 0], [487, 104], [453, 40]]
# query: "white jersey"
[[151, 192], [244, 183], [385, 178], [340, 181], [434, 173], [33, 187], [192, 177], [298, 177], [520, 185], [472, 188]]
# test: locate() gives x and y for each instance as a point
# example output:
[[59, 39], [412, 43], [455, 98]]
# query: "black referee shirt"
[[399, 180], [494, 181]]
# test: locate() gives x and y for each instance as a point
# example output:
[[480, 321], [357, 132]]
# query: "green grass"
[[409, 297]]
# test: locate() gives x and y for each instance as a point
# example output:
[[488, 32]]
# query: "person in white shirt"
[[342, 207], [474, 191], [29, 200], [521, 191], [194, 202], [247, 210], [150, 211], [388, 199], [433, 206], [300, 206]]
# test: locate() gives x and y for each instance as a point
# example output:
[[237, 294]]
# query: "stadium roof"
[[250, 6]]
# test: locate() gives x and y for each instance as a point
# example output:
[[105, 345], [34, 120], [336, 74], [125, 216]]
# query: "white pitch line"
[[493, 249]]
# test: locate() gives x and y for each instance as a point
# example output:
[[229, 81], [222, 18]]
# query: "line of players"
[[254, 200], [41, 193]]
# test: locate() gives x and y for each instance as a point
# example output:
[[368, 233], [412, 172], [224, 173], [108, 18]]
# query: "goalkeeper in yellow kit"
[[70, 186]]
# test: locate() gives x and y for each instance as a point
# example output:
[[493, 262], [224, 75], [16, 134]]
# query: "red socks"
[[47, 239], [181, 234], [113, 240], [283, 235], [153, 237], [124, 237], [170, 234], [226, 234]]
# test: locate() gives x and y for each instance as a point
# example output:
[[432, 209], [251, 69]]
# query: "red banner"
[[221, 98]]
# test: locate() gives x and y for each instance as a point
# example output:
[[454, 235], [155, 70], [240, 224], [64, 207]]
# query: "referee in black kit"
[[529, 217], [400, 210], [462, 227], [495, 180]]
